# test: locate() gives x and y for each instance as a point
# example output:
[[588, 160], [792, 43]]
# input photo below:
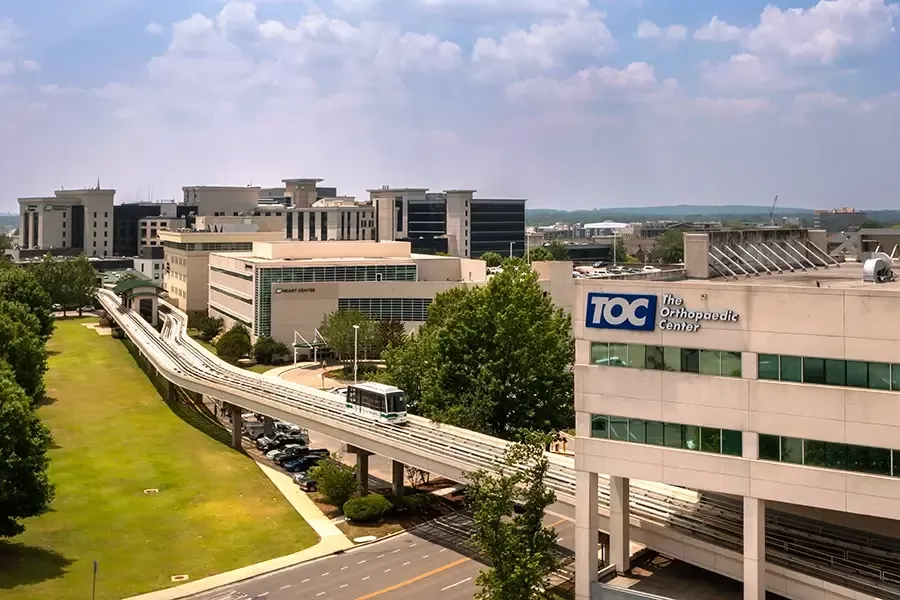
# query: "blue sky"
[[570, 103]]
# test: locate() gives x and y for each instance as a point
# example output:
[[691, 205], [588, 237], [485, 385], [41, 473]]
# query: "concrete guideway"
[[703, 530]]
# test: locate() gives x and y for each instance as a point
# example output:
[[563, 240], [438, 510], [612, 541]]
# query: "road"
[[430, 560]]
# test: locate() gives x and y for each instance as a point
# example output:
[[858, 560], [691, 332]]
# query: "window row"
[[380, 309], [211, 246], [829, 371], [667, 358], [830, 455], [229, 272], [230, 294], [215, 309], [671, 435], [341, 273]]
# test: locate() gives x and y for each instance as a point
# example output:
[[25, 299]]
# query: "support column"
[[619, 524], [398, 471], [268, 426], [586, 533], [754, 549], [236, 426], [172, 391], [362, 472]]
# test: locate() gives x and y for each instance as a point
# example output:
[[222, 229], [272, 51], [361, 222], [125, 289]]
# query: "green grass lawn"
[[115, 437]]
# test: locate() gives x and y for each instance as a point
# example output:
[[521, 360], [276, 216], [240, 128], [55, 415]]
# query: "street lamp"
[[510, 248], [355, 351]]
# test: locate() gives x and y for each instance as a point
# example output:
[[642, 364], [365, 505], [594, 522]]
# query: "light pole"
[[615, 262], [510, 248], [355, 347]]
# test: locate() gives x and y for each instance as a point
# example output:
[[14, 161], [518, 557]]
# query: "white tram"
[[377, 401]]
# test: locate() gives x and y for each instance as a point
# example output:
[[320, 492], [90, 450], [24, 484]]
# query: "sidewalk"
[[331, 540]]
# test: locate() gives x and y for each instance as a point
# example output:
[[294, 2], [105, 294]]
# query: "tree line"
[[70, 283]]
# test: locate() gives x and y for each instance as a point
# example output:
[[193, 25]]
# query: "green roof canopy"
[[131, 284]]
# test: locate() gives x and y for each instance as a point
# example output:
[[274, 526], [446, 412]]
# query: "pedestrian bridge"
[[806, 559]]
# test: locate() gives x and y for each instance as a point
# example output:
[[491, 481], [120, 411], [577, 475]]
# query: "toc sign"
[[621, 311]]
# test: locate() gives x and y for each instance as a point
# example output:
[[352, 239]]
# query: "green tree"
[[559, 250], [870, 224], [49, 276], [519, 548], [492, 259], [670, 247], [234, 344], [387, 333], [495, 358], [20, 313], [540, 253], [337, 329], [267, 349], [20, 285], [25, 489], [335, 480], [621, 254], [367, 509], [79, 281], [209, 327], [24, 351]]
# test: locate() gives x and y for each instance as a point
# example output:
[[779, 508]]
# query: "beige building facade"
[[777, 387], [69, 219]]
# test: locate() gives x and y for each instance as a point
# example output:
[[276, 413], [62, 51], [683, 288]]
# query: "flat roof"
[[848, 276], [336, 260]]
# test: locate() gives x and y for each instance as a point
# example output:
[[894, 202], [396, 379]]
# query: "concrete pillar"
[[754, 549], [172, 391], [236, 426], [619, 517], [268, 426], [398, 472], [586, 522], [362, 472]]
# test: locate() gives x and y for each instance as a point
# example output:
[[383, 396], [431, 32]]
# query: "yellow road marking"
[[413, 580]]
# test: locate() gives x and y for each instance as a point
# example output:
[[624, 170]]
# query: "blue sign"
[[621, 311]]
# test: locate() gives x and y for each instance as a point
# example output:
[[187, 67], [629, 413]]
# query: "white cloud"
[[718, 31], [10, 34], [547, 7], [155, 29], [30, 65], [732, 107], [825, 31], [593, 83], [748, 71], [7, 67], [545, 45], [670, 33]]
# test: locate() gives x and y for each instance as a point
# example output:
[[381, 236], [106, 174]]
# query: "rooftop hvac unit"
[[877, 268]]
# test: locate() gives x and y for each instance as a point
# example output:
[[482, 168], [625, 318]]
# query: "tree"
[[870, 224], [417, 477], [24, 351], [492, 259], [267, 349], [19, 312], [26, 490], [495, 358], [559, 250], [508, 509], [79, 282], [49, 276], [621, 253], [337, 329], [234, 344], [670, 247], [539, 253], [335, 480], [210, 327], [387, 333], [20, 285]]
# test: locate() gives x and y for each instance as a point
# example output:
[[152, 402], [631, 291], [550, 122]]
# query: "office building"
[[135, 224], [79, 219], [452, 221], [839, 219], [768, 374], [222, 201], [151, 264], [330, 219]]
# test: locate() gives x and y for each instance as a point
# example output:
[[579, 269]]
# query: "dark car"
[[296, 453], [306, 483], [303, 463], [278, 440]]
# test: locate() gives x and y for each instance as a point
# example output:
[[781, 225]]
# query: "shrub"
[[104, 322], [367, 508], [335, 480]]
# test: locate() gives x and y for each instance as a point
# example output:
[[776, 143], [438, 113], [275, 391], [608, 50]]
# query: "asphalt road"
[[431, 560]]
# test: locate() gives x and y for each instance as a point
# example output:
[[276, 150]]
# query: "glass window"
[[767, 366], [655, 433], [618, 429], [672, 435], [711, 439], [769, 447], [732, 442], [869, 460], [599, 426], [672, 358], [792, 450], [835, 455], [637, 431], [857, 373], [618, 355], [895, 377], [791, 368], [835, 372], [814, 453], [654, 357], [636, 356], [599, 353], [690, 360], [879, 376], [690, 437], [710, 362], [813, 370], [731, 364]]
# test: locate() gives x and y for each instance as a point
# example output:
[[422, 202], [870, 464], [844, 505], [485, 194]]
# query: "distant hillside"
[[542, 216]]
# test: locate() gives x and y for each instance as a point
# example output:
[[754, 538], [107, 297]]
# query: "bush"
[[210, 327], [234, 344], [335, 480], [367, 508], [267, 350], [104, 322]]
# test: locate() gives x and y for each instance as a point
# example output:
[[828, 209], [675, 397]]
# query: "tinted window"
[[732, 442], [599, 426], [835, 372], [654, 357], [769, 447], [768, 366], [791, 368], [710, 362], [880, 376], [813, 370], [857, 373]]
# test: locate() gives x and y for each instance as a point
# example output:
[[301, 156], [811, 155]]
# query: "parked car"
[[304, 463], [306, 483], [288, 450], [299, 453], [266, 443]]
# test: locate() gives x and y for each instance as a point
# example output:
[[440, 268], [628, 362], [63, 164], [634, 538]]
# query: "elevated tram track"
[[855, 560]]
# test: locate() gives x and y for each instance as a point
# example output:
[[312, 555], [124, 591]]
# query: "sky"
[[571, 104]]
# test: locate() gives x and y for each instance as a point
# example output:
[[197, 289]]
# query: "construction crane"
[[772, 212]]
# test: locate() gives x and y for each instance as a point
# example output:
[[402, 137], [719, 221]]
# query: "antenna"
[[772, 211]]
